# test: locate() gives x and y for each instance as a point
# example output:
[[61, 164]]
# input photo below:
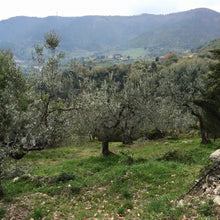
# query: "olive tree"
[[50, 106], [209, 100], [181, 84], [13, 109], [109, 112]]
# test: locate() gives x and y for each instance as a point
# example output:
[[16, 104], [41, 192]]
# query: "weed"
[[163, 206], [128, 205], [64, 177], [122, 145], [96, 169], [126, 194], [52, 190], [141, 160], [12, 190], [206, 208], [38, 213], [2, 212], [126, 158], [121, 210], [75, 189], [178, 156]]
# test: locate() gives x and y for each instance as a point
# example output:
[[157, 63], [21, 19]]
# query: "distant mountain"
[[156, 34], [182, 31]]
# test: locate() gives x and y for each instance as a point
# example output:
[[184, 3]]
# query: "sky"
[[72, 8]]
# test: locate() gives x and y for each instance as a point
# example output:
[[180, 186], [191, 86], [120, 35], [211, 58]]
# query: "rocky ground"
[[204, 196]]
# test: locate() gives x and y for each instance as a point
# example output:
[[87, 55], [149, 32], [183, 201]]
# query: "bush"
[[155, 134], [11, 170], [177, 156]]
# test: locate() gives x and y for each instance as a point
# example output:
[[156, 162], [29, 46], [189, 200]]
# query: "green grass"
[[140, 180], [2, 212]]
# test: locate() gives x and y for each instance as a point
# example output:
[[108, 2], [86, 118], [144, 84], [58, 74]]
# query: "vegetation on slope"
[[139, 101], [213, 45], [139, 181]]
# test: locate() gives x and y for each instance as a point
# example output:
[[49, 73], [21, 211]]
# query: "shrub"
[[177, 156], [64, 177], [11, 170], [155, 134]]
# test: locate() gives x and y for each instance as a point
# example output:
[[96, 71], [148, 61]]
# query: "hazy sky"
[[43, 8]]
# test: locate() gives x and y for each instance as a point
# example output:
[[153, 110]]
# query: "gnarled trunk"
[[205, 140], [105, 148]]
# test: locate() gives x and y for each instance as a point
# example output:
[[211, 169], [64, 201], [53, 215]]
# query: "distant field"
[[142, 181], [134, 52]]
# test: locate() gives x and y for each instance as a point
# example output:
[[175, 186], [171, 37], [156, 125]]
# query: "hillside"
[[142, 181], [188, 31], [156, 34], [213, 45]]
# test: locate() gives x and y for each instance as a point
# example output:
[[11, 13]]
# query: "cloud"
[[168, 6]]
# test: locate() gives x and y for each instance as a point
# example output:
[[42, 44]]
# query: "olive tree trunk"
[[105, 148]]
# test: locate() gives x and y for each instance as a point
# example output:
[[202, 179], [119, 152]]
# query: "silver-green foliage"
[[180, 84], [109, 112], [49, 107]]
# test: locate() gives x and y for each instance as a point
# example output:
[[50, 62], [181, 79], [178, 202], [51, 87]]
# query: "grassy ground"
[[142, 181]]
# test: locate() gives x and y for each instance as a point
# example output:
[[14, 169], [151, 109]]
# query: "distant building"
[[117, 56], [39, 68]]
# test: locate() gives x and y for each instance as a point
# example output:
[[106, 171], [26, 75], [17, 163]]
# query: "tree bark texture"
[[105, 148], [205, 140]]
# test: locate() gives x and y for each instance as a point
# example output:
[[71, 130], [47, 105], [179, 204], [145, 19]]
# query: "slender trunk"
[[105, 148]]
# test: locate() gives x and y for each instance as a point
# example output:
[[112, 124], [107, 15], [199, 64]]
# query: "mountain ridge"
[[178, 32]]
